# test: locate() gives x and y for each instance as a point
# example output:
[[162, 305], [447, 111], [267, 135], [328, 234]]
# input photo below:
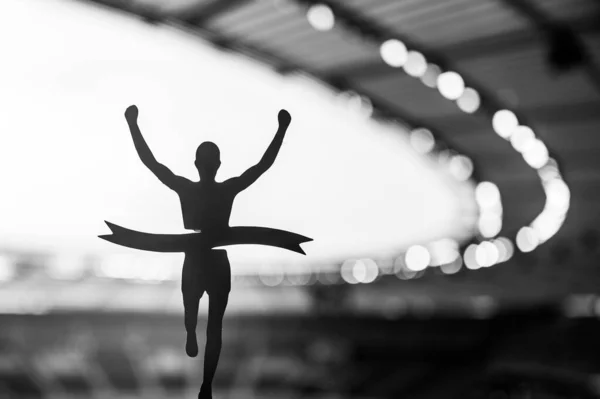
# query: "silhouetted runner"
[[206, 207]]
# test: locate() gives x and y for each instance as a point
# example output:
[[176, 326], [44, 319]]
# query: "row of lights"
[[488, 253], [410, 265], [450, 84], [536, 154], [442, 254], [395, 53], [505, 123]]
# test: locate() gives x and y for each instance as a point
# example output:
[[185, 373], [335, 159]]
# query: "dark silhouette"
[[206, 208]]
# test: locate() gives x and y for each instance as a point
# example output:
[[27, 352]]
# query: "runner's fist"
[[131, 114], [284, 118]]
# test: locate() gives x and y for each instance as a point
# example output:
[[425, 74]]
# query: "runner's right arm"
[[163, 173]]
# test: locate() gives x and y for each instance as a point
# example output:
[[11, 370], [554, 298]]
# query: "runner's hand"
[[284, 118], [131, 114]]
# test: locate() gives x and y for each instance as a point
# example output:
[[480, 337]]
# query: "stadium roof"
[[510, 52]]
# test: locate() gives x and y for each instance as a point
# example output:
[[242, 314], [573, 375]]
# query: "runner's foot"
[[191, 345]]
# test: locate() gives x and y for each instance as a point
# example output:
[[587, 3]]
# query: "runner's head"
[[208, 160]]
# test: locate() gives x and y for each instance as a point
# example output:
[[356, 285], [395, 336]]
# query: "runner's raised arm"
[[163, 173], [252, 174]]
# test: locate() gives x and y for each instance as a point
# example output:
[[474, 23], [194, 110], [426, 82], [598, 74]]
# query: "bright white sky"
[[68, 163]]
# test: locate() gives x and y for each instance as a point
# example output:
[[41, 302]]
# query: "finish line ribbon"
[[186, 242]]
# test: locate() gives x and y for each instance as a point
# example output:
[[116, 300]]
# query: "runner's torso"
[[206, 206]]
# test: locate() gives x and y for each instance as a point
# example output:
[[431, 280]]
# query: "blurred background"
[[443, 155]]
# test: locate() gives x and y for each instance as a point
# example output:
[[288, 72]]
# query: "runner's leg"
[[192, 290], [218, 293]]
